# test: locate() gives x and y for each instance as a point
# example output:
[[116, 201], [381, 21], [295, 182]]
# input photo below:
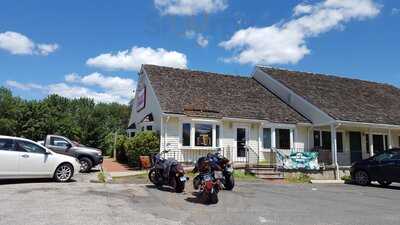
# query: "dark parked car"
[[383, 167], [88, 157]]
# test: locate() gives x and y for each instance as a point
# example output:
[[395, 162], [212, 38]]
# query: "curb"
[[327, 181]]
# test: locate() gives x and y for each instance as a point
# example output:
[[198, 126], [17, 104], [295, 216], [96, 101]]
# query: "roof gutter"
[[369, 125]]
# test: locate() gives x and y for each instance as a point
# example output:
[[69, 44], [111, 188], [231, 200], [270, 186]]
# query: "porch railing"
[[251, 158]]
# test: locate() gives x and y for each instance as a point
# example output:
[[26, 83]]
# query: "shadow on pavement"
[[196, 199], [30, 181], [161, 188], [391, 187]]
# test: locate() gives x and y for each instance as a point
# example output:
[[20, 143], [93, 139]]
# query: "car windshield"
[[77, 144], [384, 156]]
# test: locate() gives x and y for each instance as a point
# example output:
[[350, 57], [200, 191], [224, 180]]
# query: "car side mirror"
[[47, 152], [68, 146]]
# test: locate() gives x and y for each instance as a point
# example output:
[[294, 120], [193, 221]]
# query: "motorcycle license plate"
[[183, 179], [218, 174]]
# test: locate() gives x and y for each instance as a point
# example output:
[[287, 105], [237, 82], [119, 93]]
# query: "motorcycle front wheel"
[[179, 185], [213, 198], [229, 182], [155, 178]]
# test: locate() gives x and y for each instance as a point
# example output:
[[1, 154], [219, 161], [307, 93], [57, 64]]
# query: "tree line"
[[81, 120]]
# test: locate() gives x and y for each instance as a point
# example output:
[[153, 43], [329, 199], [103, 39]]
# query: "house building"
[[195, 112]]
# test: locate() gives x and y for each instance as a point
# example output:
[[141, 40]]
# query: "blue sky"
[[94, 48]]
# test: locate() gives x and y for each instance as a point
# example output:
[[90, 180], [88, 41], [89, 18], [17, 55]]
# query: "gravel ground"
[[82, 202]]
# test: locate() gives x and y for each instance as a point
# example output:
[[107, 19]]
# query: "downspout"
[[165, 133], [335, 126]]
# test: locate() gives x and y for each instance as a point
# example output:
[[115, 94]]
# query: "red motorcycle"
[[208, 181]]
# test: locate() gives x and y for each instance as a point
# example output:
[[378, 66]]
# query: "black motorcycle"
[[208, 181], [227, 179], [167, 172]]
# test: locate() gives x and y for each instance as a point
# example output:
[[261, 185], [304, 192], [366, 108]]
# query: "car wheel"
[[86, 164], [385, 183], [362, 178], [64, 173]]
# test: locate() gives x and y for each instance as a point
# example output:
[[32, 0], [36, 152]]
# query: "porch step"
[[263, 166], [271, 177], [265, 172]]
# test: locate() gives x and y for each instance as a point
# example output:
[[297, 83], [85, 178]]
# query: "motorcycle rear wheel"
[[213, 198]]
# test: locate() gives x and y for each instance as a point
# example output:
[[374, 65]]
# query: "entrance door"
[[378, 143], [355, 146], [241, 139]]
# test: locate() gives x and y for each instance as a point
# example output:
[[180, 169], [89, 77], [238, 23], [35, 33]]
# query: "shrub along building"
[[274, 110]]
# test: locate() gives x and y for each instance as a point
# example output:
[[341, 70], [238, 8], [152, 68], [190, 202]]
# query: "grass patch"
[[240, 175], [301, 178], [346, 178], [138, 178], [102, 177]]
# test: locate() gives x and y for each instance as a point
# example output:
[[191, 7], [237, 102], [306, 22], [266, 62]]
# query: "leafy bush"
[[143, 144], [120, 145]]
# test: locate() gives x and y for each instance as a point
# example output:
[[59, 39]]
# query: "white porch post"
[[291, 138], [334, 150], [273, 138], [390, 144], [371, 144]]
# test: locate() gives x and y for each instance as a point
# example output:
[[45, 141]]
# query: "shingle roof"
[[197, 93], [343, 98]]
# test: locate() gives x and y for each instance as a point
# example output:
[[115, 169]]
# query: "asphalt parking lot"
[[81, 202]]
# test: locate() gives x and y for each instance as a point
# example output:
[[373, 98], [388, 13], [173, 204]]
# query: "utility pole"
[[115, 148]]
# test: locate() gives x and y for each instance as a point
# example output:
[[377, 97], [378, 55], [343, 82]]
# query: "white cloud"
[[190, 34], [286, 43], [133, 59], [395, 11], [113, 85], [96, 86], [200, 39], [23, 86], [45, 49], [302, 9], [189, 7], [19, 44]]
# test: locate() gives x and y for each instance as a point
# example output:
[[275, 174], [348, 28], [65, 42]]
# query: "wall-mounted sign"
[[141, 100]]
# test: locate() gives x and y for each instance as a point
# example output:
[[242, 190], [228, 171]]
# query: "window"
[[267, 138], [339, 141], [60, 142], [203, 135], [24, 146], [186, 134], [317, 139], [282, 138], [6, 144], [217, 135], [326, 140], [149, 128]]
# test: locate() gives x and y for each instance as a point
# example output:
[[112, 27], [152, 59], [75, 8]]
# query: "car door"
[[9, 159], [59, 145], [385, 166], [396, 167], [34, 161]]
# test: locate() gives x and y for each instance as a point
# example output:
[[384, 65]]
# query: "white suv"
[[22, 158]]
